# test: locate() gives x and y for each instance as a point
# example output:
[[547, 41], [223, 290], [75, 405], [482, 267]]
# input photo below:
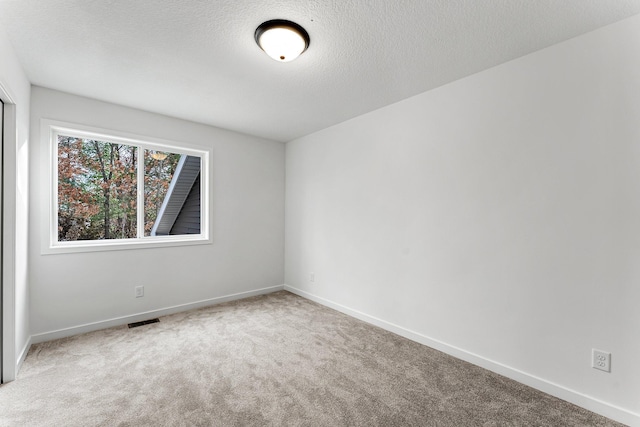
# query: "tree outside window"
[[98, 188]]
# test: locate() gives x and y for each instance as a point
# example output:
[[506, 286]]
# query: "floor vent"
[[144, 322]]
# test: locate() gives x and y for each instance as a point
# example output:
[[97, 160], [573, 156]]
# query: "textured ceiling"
[[197, 60]]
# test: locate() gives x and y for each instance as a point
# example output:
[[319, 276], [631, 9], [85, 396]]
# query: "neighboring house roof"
[[186, 173]]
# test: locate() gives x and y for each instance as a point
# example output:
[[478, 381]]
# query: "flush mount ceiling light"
[[158, 155], [282, 40]]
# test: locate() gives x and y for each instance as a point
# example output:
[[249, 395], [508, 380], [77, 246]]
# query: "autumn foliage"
[[98, 188]]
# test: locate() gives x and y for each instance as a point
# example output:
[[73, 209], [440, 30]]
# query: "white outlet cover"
[[601, 360]]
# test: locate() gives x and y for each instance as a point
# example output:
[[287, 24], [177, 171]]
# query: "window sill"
[[124, 244]]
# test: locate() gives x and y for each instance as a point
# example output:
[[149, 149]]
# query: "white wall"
[[14, 84], [70, 290], [496, 217]]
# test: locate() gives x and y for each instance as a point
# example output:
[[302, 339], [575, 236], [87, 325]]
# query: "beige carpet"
[[276, 360]]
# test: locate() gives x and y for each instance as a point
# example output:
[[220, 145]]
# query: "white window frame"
[[50, 129]]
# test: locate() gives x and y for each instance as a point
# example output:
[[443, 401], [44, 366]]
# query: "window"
[[114, 191]]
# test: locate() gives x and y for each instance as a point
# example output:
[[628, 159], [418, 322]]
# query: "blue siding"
[[188, 220], [187, 171]]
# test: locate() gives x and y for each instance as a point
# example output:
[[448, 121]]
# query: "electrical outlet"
[[601, 360], [312, 277], [139, 291]]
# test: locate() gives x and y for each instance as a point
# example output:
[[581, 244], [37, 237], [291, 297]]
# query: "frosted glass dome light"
[[282, 40]]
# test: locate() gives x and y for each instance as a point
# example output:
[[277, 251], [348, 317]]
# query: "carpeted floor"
[[276, 360]]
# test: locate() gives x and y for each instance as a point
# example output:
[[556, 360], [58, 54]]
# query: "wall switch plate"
[[139, 291], [312, 277], [601, 360]]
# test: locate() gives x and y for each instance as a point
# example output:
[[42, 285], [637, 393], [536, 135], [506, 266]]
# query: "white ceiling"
[[197, 59]]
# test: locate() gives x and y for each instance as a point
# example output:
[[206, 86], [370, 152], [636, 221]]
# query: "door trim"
[[9, 361]]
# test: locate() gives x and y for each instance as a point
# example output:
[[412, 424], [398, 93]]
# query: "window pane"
[[159, 167], [172, 194], [97, 190]]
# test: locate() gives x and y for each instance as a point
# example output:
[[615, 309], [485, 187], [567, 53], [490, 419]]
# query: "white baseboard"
[[118, 321], [592, 404]]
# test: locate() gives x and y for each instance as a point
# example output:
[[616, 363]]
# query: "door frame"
[[7, 285]]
